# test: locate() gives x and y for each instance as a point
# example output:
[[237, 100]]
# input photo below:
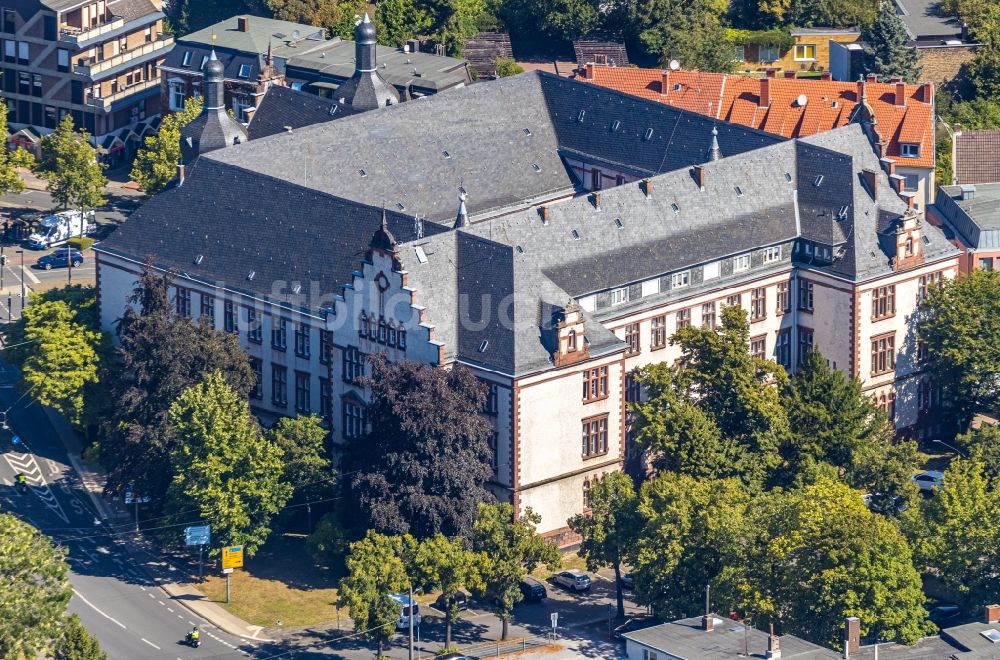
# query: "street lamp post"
[[21, 312], [951, 447]]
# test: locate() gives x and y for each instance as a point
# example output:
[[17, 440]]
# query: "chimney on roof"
[[872, 78], [647, 187], [544, 212], [664, 81], [596, 199], [790, 73], [773, 645], [699, 176], [926, 92], [826, 75], [909, 198], [764, 99], [901, 94], [958, 129], [589, 71], [707, 621], [852, 635], [771, 73], [889, 165], [870, 178], [243, 23], [992, 613]]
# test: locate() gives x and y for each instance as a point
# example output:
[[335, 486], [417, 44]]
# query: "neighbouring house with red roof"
[[898, 117]]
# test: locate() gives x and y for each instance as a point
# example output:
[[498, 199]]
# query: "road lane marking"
[[170, 609], [150, 643], [94, 607], [30, 275]]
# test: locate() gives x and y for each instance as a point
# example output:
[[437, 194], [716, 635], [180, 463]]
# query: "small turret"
[[213, 128], [366, 89]]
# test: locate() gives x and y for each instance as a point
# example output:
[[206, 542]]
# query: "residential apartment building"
[[96, 60], [898, 117], [551, 249], [808, 50]]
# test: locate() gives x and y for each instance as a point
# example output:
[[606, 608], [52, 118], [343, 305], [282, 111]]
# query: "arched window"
[[363, 326], [571, 341], [391, 339], [909, 246], [586, 494], [382, 330]]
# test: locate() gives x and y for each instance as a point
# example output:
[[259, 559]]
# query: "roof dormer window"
[[244, 71], [909, 150], [187, 58]]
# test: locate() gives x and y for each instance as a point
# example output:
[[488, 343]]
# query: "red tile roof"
[[827, 104]]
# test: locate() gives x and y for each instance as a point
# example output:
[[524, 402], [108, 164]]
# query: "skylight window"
[[788, 177], [484, 345], [648, 135], [527, 132], [535, 167], [677, 87], [580, 116], [204, 61], [618, 223], [421, 255], [297, 289], [362, 173], [244, 71], [818, 181], [676, 209], [252, 274], [519, 249], [187, 58], [400, 206], [446, 154], [576, 235], [198, 259], [739, 191], [615, 125]]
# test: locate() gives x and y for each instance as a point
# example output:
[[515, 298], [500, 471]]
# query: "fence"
[[498, 648]]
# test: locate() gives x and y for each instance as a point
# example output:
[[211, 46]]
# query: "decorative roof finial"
[[462, 220], [714, 152]]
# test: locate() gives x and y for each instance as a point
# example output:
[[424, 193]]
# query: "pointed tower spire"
[[714, 152], [383, 239], [462, 219]]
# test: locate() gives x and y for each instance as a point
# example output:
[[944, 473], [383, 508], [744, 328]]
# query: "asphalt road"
[[115, 589]]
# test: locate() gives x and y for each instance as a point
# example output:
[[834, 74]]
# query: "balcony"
[[91, 67], [77, 36], [107, 102]]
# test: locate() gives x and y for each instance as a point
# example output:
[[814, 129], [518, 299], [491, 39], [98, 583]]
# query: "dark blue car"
[[60, 259]]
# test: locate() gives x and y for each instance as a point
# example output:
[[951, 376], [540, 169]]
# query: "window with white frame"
[[710, 271], [772, 254], [909, 150], [177, 95], [805, 52], [741, 263], [241, 102], [619, 296], [680, 280]]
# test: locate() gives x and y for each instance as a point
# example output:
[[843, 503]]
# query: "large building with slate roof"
[[563, 239]]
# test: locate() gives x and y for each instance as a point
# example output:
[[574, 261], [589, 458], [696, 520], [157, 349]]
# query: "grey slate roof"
[[262, 32], [685, 639], [977, 217], [232, 60], [131, 10], [283, 106], [925, 22]]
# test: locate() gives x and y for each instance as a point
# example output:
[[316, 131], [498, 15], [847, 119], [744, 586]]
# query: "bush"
[[506, 66], [80, 242], [328, 544]]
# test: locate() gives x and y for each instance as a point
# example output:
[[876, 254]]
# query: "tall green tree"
[[887, 52], [959, 537], [983, 444], [76, 643], [375, 571], [984, 73], [507, 549], [959, 323], [459, 21], [421, 467], [10, 161], [691, 529], [159, 356], [690, 31], [61, 357], [307, 466], [816, 554], [611, 529], [156, 163], [225, 468], [446, 564], [34, 590], [399, 20], [69, 165]]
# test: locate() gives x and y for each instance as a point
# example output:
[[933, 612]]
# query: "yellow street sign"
[[232, 557]]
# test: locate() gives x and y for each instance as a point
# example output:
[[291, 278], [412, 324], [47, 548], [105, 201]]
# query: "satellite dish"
[[674, 65], [295, 34], [801, 100]]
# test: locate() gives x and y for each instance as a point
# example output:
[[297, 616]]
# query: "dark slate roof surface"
[[685, 639], [231, 60], [284, 106]]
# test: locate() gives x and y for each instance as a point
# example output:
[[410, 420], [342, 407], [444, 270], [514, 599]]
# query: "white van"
[[403, 622]]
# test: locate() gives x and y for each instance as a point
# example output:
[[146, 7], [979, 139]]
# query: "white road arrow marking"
[[26, 465]]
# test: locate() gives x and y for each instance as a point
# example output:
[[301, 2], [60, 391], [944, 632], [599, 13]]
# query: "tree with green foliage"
[[160, 355], [959, 323], [884, 470], [610, 530], [984, 73], [983, 445], [224, 467], [399, 20], [422, 466], [887, 49], [187, 16], [34, 590], [814, 555], [959, 536], [76, 643], [447, 565], [375, 571], [310, 12], [69, 165], [156, 163], [307, 467], [327, 544], [10, 161], [507, 549], [81, 299], [506, 67], [691, 529], [687, 32], [61, 357]]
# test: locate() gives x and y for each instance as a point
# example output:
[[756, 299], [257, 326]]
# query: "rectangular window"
[[658, 332], [595, 384], [354, 420], [632, 388], [258, 378], [182, 301], [595, 436], [279, 333], [909, 150], [769, 53], [883, 302], [619, 296], [805, 343], [986, 263], [62, 60], [772, 254], [491, 405], [739, 53], [708, 315], [303, 343], [9, 21], [922, 353], [883, 354], [229, 316], [680, 280], [758, 304], [710, 271], [632, 339], [178, 94], [254, 332], [302, 393], [279, 385], [783, 348], [325, 399], [354, 365], [784, 298], [805, 52], [805, 295], [735, 300], [187, 58], [148, 34], [595, 179], [23, 52], [325, 346], [208, 308], [741, 263], [9, 50], [911, 182], [927, 281], [758, 346], [683, 318], [24, 84], [494, 451]]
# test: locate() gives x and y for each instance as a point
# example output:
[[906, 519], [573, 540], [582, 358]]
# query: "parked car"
[[459, 600], [60, 259], [628, 580], [928, 480], [453, 656], [532, 590], [872, 501], [636, 623], [945, 615], [573, 579], [403, 621]]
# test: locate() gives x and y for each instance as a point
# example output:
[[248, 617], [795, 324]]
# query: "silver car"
[[573, 579]]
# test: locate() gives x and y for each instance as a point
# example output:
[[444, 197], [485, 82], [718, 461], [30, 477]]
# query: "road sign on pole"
[[232, 556], [198, 535]]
